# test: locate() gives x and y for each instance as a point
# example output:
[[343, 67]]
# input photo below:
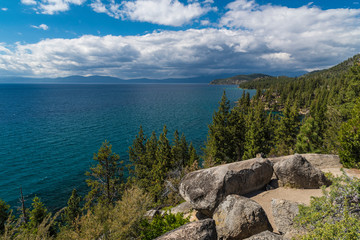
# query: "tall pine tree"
[[218, 147], [106, 178]]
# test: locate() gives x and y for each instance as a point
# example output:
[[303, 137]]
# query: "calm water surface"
[[48, 133]]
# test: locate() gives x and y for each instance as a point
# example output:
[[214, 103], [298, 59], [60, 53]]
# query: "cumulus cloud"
[[164, 12], [4, 9], [52, 6], [252, 38], [307, 33], [41, 26]]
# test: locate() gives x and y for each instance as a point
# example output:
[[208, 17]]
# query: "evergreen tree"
[[38, 213], [106, 177], [161, 166], [237, 127], [193, 158], [255, 131], [308, 137], [218, 149], [4, 215], [72, 211], [287, 129], [350, 139], [140, 166]]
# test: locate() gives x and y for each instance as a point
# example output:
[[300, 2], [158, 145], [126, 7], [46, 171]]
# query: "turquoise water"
[[48, 133]]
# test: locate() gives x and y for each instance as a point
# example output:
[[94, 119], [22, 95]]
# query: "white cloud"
[[4, 9], [164, 12], [41, 26], [28, 2], [52, 6], [307, 33], [251, 38]]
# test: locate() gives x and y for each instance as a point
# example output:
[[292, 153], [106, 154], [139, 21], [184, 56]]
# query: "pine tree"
[[72, 211], [4, 215], [218, 149], [180, 151], [308, 137], [255, 136], [349, 137], [137, 156], [193, 159], [237, 128], [287, 129], [163, 163], [38, 213], [106, 177]]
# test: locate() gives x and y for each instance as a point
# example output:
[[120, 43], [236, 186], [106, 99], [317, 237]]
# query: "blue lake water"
[[48, 133]]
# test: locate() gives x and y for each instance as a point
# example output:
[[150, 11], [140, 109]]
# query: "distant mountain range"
[[101, 79]]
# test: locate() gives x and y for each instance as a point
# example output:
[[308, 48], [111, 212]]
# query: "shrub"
[[161, 224], [334, 215]]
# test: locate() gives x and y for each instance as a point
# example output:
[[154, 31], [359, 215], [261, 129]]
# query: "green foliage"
[[38, 213], [120, 222], [308, 138], [4, 215], [157, 166], [161, 224], [256, 131], [238, 79], [218, 147], [106, 177], [334, 215], [350, 139], [73, 210], [287, 129]]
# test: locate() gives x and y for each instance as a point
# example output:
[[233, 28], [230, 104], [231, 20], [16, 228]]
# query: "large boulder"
[[267, 235], [206, 188], [297, 172], [320, 161], [284, 212], [200, 230], [239, 217]]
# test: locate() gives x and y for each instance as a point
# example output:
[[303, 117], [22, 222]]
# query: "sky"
[[175, 38]]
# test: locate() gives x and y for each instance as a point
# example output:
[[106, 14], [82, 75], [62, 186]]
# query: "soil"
[[302, 196]]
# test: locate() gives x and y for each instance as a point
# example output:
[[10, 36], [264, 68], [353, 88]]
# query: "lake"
[[49, 132]]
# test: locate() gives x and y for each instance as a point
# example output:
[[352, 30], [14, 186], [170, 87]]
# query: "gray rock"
[[320, 161], [284, 212], [184, 208], [200, 230], [205, 189], [297, 172], [239, 217], [152, 213], [267, 235]]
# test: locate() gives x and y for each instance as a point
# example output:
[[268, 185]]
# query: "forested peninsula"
[[316, 113]]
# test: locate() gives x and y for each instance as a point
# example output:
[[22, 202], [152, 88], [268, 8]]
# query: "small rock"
[[200, 230], [183, 208], [284, 212], [152, 213], [297, 172], [267, 235], [239, 217]]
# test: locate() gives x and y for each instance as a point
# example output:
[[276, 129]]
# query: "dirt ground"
[[302, 196]]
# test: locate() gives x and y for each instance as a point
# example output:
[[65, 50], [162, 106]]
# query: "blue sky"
[[174, 38]]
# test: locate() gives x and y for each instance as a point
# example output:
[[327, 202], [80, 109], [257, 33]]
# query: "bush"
[[334, 215], [161, 224]]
